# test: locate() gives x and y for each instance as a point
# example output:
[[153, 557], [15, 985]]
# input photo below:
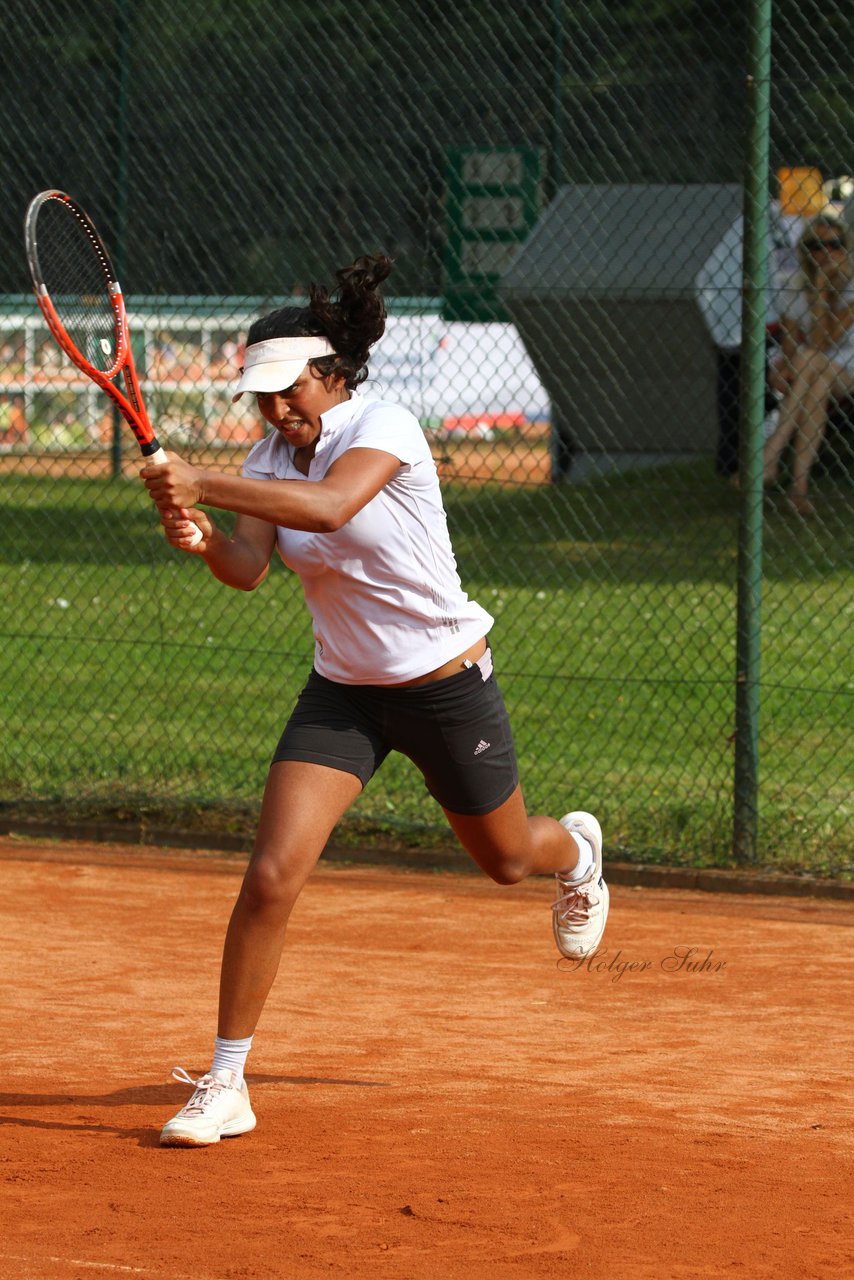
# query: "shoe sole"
[[186, 1139]]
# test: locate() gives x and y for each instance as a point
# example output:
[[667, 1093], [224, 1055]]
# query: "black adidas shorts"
[[455, 730]]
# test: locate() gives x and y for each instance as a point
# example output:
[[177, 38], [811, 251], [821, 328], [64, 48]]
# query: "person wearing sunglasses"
[[814, 369]]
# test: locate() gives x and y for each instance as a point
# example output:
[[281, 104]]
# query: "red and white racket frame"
[[132, 405]]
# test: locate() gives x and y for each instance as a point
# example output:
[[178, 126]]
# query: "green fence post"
[[752, 413]]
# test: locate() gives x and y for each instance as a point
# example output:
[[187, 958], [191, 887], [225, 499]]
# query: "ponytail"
[[352, 317]]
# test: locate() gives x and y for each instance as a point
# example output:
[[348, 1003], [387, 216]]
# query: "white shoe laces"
[[573, 907], [207, 1090]]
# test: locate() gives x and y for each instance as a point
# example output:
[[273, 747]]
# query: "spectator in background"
[[814, 367], [719, 286], [14, 428]]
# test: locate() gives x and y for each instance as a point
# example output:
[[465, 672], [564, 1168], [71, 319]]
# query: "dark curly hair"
[[352, 317]]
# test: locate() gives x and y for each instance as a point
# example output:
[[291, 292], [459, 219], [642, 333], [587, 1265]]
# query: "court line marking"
[[81, 1262]]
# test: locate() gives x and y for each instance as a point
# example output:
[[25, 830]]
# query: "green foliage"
[[292, 136], [154, 690]]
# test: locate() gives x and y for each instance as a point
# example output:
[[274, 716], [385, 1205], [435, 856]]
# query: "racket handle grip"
[[160, 458]]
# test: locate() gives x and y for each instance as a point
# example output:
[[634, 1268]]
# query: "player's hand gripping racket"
[[81, 300]]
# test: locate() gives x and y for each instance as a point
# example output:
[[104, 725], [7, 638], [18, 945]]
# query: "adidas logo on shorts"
[[481, 746]]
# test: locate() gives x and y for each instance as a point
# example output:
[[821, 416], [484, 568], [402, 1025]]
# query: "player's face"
[[295, 411]]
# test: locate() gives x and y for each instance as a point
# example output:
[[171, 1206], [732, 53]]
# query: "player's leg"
[[458, 733], [302, 803], [509, 844]]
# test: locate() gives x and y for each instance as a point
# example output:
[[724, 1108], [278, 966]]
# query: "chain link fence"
[[561, 187]]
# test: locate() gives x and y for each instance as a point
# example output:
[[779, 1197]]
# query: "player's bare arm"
[[322, 507], [240, 560], [243, 559]]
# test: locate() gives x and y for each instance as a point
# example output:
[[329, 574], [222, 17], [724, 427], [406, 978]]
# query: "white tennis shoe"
[[581, 909], [217, 1109]]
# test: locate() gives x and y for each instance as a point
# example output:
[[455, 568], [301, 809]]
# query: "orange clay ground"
[[436, 1096]]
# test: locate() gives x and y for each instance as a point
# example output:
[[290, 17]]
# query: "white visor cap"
[[276, 364]]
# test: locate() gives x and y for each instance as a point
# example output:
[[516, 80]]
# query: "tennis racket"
[[81, 300]]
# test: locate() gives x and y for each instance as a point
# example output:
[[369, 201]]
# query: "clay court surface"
[[436, 1096]]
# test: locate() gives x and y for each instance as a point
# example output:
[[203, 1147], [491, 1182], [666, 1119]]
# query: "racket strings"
[[77, 276]]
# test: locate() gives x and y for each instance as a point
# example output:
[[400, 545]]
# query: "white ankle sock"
[[231, 1055], [586, 857]]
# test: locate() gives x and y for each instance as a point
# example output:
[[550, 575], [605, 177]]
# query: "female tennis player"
[[345, 488]]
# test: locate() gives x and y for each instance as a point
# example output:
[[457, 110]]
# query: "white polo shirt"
[[383, 591]]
